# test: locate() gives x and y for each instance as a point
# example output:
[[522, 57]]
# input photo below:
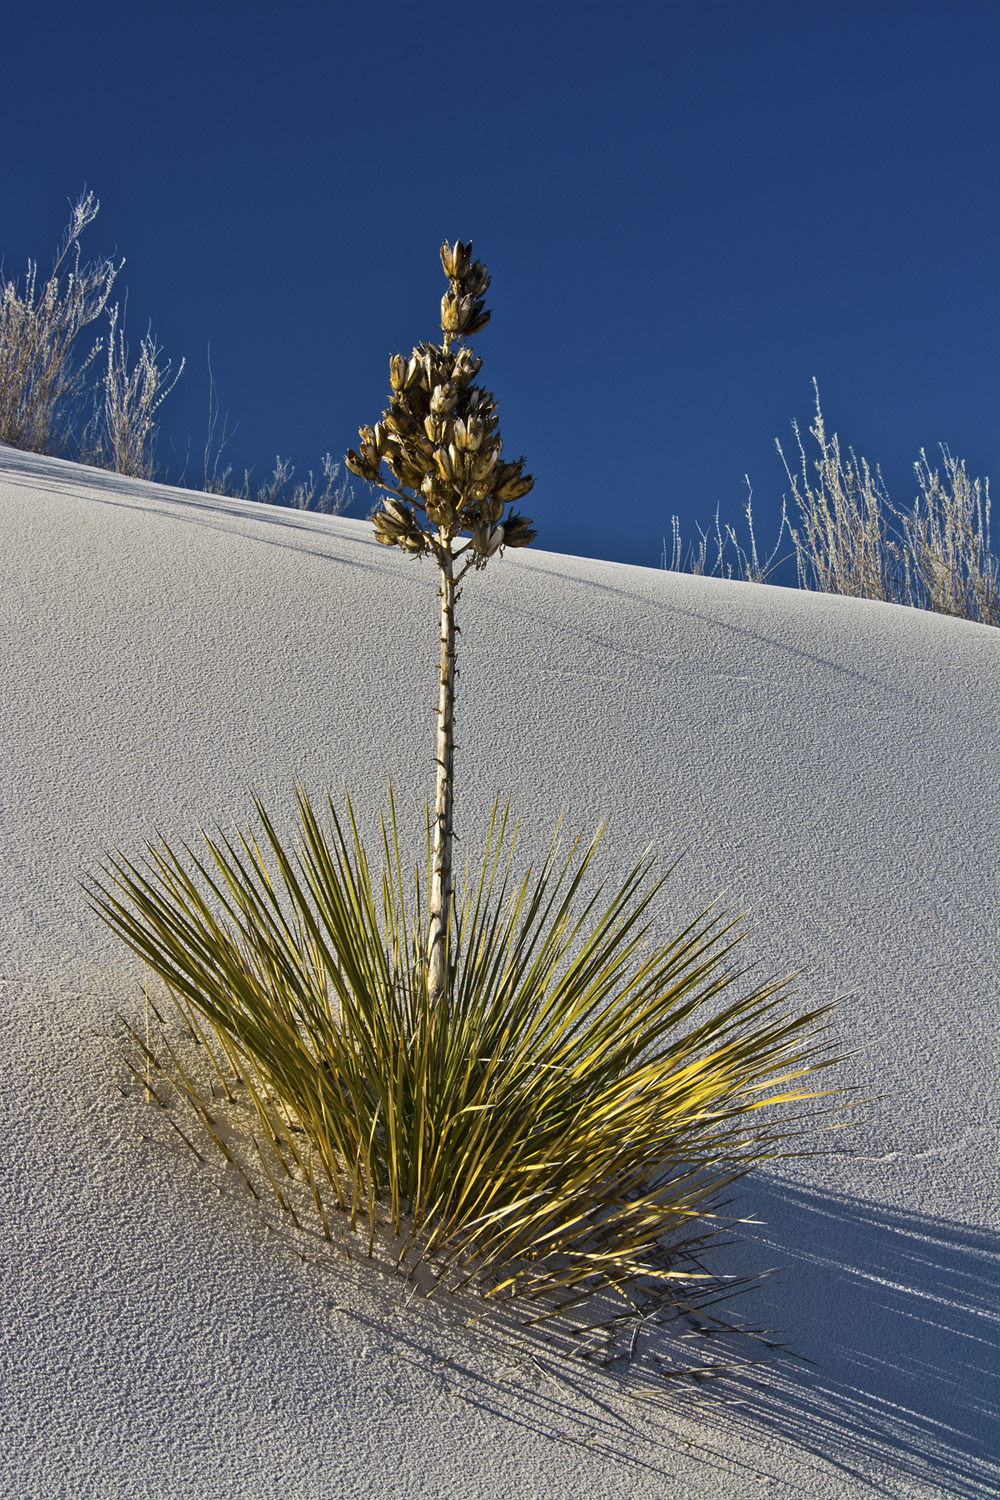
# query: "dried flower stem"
[[439, 440], [441, 858]]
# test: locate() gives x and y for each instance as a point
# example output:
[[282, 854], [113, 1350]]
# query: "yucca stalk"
[[440, 442]]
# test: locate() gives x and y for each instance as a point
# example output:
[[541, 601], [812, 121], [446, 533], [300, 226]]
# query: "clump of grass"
[[275, 491], [562, 1124]]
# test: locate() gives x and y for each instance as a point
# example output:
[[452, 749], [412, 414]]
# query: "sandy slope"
[[829, 763]]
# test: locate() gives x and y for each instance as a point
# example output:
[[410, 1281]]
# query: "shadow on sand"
[[899, 1313]]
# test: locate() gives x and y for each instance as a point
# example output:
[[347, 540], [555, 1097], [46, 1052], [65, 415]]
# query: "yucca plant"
[[520, 1084], [561, 1123]]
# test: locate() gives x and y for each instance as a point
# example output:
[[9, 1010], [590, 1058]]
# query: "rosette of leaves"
[[564, 1125], [436, 454]]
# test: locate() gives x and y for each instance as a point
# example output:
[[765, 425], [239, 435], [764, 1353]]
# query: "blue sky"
[[689, 210]]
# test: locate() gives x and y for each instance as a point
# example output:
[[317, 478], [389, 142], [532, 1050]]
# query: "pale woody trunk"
[[441, 880]]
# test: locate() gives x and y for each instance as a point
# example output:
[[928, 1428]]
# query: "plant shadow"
[[896, 1313]]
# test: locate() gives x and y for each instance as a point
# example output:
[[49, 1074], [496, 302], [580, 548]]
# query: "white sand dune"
[[830, 764]]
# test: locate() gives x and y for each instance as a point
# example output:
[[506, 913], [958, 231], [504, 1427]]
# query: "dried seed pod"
[[386, 532], [399, 512], [467, 366], [518, 531], [443, 399], [478, 280], [440, 510], [398, 419], [451, 313], [469, 435], [442, 457], [461, 260], [485, 463], [517, 485], [409, 473], [360, 466]]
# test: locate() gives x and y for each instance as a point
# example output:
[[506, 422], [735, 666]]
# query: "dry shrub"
[[843, 547], [949, 558], [124, 425], [41, 386], [851, 539], [937, 556], [748, 566]]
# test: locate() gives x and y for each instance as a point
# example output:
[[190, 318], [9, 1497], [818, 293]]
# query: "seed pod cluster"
[[396, 527], [439, 438]]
